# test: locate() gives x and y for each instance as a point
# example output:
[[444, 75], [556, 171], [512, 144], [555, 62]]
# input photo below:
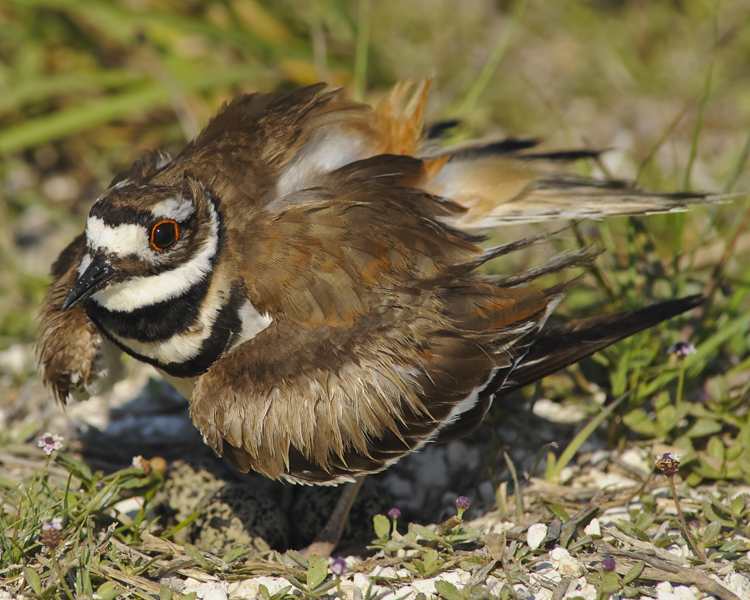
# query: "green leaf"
[[639, 421], [559, 511], [448, 591], [425, 533], [194, 553], [716, 448], [234, 553], [165, 593], [110, 590], [32, 578], [703, 427], [707, 470], [382, 526], [74, 466], [317, 572], [611, 582], [633, 572], [645, 520], [298, 558], [431, 558], [710, 513], [732, 545]]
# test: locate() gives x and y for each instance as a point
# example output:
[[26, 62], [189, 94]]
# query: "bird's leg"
[[329, 536]]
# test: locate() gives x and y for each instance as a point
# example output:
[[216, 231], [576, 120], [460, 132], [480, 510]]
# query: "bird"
[[305, 273]]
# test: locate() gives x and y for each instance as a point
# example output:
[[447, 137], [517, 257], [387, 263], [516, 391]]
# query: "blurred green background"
[[87, 85]]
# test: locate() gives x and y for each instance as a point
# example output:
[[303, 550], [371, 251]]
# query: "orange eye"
[[164, 235]]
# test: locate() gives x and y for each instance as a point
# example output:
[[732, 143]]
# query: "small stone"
[[683, 592], [384, 572], [424, 586], [664, 591], [250, 588], [739, 584], [637, 458], [361, 581], [213, 590], [565, 563], [536, 534], [593, 528], [502, 527]]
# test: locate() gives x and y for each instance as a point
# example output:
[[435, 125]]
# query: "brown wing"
[[267, 146], [380, 332], [72, 355]]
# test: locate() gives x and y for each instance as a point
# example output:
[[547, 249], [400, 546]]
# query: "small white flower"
[[50, 442]]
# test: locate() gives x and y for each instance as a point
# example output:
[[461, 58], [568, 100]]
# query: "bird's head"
[[146, 244]]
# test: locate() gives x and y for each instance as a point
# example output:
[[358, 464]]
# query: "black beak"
[[94, 278]]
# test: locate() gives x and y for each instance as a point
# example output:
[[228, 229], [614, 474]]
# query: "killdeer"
[[304, 273]]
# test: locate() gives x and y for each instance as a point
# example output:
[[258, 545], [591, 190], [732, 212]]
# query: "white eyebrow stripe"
[[123, 240], [177, 209]]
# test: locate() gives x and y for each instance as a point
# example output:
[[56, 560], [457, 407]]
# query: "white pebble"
[[565, 563], [250, 588], [593, 528], [535, 535]]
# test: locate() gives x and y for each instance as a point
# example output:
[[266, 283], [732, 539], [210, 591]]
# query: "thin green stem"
[[60, 575], [493, 61], [680, 384], [518, 494], [363, 45], [688, 535]]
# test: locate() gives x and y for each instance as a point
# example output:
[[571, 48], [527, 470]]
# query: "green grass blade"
[[583, 435], [494, 60], [363, 45], [79, 118]]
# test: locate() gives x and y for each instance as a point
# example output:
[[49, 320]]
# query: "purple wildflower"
[[682, 350], [609, 564], [394, 513], [51, 533], [338, 566], [668, 463], [462, 503]]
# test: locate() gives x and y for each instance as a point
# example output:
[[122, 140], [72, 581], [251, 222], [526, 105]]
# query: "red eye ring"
[[163, 238]]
